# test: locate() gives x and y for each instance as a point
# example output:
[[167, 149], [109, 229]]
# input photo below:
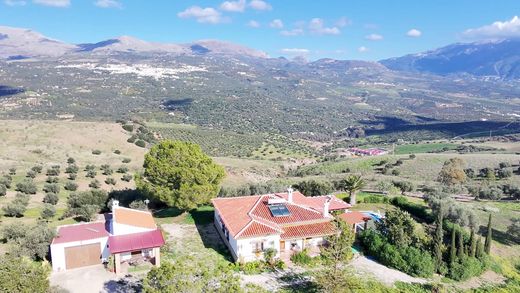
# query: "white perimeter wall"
[[58, 251]]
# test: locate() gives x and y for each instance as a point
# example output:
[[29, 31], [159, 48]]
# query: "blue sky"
[[342, 29]]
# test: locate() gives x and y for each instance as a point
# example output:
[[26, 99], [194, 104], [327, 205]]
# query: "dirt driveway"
[[380, 272], [88, 280]]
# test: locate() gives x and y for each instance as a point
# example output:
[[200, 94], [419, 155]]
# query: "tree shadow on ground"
[[123, 285], [203, 219], [167, 212], [499, 236], [9, 91]]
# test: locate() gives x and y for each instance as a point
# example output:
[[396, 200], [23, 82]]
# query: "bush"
[[17, 207], [128, 127], [302, 258], [6, 181], [127, 177], [122, 169], [31, 174], [3, 190], [72, 169], [106, 169], [396, 172], [51, 188], [95, 184], [71, 186], [404, 186], [110, 181], [91, 174], [504, 165], [27, 187], [375, 199], [86, 204], [53, 171], [117, 152], [252, 267], [504, 173], [126, 160], [72, 176], [466, 268], [71, 160], [132, 139], [414, 209], [90, 168], [491, 192], [140, 143], [38, 169], [96, 152], [12, 171], [48, 212], [51, 198], [52, 179]]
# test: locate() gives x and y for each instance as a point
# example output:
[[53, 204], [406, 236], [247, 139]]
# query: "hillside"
[[499, 59]]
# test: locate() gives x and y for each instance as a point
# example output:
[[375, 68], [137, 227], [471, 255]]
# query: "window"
[[258, 246]]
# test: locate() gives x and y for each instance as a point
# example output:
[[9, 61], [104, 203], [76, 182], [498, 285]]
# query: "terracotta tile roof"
[[250, 216], [234, 211], [133, 217], [354, 217], [308, 230], [135, 241], [316, 202], [80, 232], [254, 229]]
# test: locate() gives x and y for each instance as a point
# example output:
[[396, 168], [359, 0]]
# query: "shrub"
[[416, 210], [31, 174], [132, 139], [27, 187], [86, 204], [302, 258], [17, 207], [52, 172], [465, 268], [90, 168], [117, 152], [106, 169], [12, 171], [404, 186], [252, 267], [491, 192], [72, 176], [127, 177], [94, 184], [48, 212], [52, 179], [38, 169], [96, 152], [51, 198], [3, 190], [110, 181], [72, 169], [504, 173], [138, 205], [122, 169], [503, 165], [140, 143], [375, 199], [51, 188], [6, 181], [126, 160], [91, 174], [71, 160], [128, 127], [412, 156], [396, 172], [71, 186]]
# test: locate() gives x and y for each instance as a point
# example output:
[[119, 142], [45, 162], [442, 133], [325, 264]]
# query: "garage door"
[[83, 255]]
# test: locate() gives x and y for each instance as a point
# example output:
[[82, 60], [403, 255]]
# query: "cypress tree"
[[453, 255], [487, 243], [480, 249], [473, 243], [460, 245], [438, 240]]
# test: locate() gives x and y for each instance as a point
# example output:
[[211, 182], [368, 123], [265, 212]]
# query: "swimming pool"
[[375, 216]]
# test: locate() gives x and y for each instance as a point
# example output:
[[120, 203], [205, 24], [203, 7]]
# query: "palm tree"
[[353, 184]]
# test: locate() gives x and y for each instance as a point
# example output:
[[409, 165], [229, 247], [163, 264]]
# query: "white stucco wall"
[[245, 247], [121, 229], [58, 252]]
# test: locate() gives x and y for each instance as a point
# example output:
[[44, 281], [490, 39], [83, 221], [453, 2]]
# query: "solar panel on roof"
[[279, 210]]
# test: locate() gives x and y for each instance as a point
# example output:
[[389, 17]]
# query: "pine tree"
[[487, 244], [460, 245], [473, 243], [453, 255], [438, 240]]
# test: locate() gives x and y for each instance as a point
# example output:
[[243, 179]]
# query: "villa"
[[286, 222], [128, 235]]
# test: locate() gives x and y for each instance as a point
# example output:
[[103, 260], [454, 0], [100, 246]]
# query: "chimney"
[[115, 203], [290, 194], [326, 206]]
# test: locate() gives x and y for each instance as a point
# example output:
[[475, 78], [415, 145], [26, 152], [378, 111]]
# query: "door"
[[282, 245], [82, 256]]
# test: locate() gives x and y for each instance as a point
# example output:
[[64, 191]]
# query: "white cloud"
[[14, 3], [253, 23], [362, 49], [233, 6], [316, 26], [53, 3], [202, 15], [292, 33], [414, 33], [260, 5], [295, 51], [276, 23], [374, 37], [343, 21], [496, 30], [108, 4]]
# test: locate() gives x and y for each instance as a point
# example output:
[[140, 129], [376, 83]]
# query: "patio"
[[286, 254]]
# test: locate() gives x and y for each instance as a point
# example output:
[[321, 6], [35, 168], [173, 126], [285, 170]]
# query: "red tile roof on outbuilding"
[[135, 241], [354, 217], [80, 232]]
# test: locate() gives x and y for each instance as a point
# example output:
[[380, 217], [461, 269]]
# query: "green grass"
[[202, 215], [423, 148]]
